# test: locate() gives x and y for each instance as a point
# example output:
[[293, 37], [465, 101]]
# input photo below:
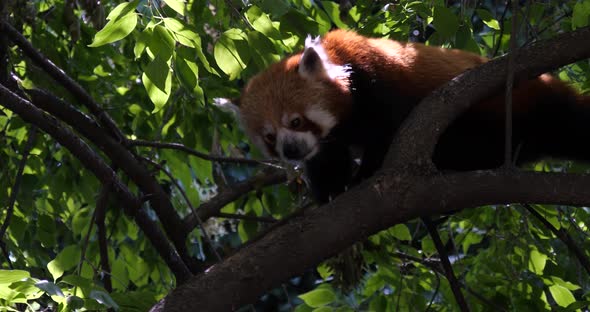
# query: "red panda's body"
[[349, 90]]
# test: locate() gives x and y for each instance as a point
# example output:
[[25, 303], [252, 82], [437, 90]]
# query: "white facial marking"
[[305, 140], [321, 117], [333, 71]]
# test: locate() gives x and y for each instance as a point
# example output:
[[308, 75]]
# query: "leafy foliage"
[[155, 67]]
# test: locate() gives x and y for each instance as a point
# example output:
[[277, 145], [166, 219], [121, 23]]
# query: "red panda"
[[347, 90]]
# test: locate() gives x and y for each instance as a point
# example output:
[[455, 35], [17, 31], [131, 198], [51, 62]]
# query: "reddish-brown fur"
[[389, 78]]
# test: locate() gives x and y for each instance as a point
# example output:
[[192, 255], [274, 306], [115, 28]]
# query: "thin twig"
[[245, 217], [434, 265], [229, 4], [435, 291], [563, 236], [100, 216], [181, 147], [501, 22], [509, 86], [213, 206], [188, 202], [15, 189], [448, 269]]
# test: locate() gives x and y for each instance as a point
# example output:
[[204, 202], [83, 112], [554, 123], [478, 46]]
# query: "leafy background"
[[156, 66]]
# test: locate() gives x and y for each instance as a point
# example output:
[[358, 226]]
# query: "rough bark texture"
[[407, 189]]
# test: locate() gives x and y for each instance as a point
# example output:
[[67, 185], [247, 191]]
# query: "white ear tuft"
[[227, 105], [315, 62]]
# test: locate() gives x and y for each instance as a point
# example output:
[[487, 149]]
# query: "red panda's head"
[[288, 109]]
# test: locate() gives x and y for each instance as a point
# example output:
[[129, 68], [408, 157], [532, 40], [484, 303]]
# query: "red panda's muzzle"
[[295, 145]]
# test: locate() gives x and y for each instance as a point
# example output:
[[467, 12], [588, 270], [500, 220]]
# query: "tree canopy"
[[124, 186]]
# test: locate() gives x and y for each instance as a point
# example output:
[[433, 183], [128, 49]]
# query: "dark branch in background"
[[205, 235], [100, 215], [15, 189], [213, 206], [563, 236], [181, 147], [61, 77], [446, 264], [239, 14], [501, 22], [434, 265], [85, 245], [102, 171], [122, 158], [509, 87]]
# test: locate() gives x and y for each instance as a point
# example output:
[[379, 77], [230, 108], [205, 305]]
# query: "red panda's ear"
[[228, 105], [316, 64], [311, 64]]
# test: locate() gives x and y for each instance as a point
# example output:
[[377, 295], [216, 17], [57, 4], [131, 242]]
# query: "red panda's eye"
[[295, 122], [269, 138]]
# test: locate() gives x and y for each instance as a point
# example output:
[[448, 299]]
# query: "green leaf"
[[177, 5], [65, 260], [262, 23], [115, 30], [74, 302], [581, 14], [76, 280], [318, 297], [122, 9], [104, 299], [323, 309], [262, 50], [27, 287], [333, 10], [558, 281], [11, 276], [183, 33], [119, 269], [428, 246], [232, 52], [488, 19], [157, 80], [401, 232], [562, 296], [50, 288], [445, 22], [161, 43], [537, 262], [324, 271], [470, 239], [141, 42], [187, 72], [158, 71]]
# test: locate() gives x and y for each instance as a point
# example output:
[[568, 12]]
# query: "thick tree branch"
[[102, 171], [383, 201], [436, 112], [62, 78], [397, 193]]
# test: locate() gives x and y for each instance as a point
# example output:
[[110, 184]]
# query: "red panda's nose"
[[292, 151]]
